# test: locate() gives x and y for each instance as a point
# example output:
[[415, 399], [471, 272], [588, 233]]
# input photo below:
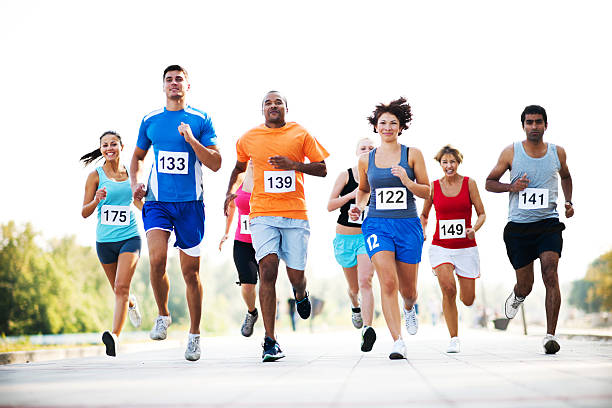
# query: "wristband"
[[569, 202]]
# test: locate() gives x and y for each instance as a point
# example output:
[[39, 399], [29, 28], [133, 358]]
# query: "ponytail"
[[96, 154]]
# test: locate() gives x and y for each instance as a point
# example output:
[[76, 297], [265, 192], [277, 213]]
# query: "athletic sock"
[[356, 309], [191, 335], [254, 312]]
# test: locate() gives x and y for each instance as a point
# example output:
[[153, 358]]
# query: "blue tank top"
[[539, 200], [389, 198], [116, 220]]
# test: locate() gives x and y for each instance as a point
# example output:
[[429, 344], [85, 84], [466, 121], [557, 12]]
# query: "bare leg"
[[549, 261], [353, 285], [467, 292], [384, 262], [268, 271], [157, 241], [298, 281], [446, 278], [125, 271], [248, 295], [190, 266], [407, 275], [524, 281], [365, 272]]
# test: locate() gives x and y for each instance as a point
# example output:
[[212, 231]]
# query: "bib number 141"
[[533, 198]]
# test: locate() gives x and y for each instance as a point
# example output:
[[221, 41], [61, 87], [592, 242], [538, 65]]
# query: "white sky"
[[71, 70]]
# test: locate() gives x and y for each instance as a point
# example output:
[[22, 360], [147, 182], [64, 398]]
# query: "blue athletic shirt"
[[176, 174], [116, 221]]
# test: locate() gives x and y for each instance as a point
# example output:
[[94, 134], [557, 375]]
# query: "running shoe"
[[398, 352], [192, 353], [412, 325], [368, 337], [160, 328], [512, 305], [110, 341], [271, 350], [551, 344], [303, 306], [357, 319], [134, 312], [249, 322], [454, 346]]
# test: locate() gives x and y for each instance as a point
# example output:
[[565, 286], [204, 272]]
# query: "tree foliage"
[[594, 292]]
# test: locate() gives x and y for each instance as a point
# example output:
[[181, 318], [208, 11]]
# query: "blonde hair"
[[448, 149]]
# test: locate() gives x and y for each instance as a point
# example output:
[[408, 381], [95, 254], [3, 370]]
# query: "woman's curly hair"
[[399, 108]]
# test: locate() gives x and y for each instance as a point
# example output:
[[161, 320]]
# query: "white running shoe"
[[512, 305], [192, 353], [398, 352], [111, 342], [160, 328], [550, 342], [134, 312], [454, 346], [412, 325], [357, 320], [249, 322]]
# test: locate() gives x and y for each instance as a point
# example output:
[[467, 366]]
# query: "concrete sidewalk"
[[327, 370]]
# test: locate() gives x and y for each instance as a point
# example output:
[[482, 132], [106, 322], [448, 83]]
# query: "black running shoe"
[[271, 350], [368, 337], [303, 306], [110, 341]]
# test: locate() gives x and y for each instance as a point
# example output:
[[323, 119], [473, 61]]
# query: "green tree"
[[594, 292]]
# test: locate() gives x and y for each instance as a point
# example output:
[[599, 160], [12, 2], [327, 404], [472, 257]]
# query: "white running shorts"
[[465, 260]]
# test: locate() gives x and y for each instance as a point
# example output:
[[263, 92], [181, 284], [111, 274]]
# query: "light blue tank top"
[[116, 220], [388, 192], [539, 200]]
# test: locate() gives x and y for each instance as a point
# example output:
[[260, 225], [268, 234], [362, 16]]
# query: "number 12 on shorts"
[[533, 198], [372, 242]]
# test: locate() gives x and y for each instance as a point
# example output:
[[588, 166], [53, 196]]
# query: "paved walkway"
[[498, 369]]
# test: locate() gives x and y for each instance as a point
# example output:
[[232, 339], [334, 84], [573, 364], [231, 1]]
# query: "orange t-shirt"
[[278, 192]]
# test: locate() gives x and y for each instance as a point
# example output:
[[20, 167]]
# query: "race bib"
[[245, 224], [533, 198], [450, 229], [279, 181], [115, 215], [391, 198], [172, 162], [362, 216]]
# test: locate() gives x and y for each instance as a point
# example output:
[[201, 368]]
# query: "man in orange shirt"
[[279, 224]]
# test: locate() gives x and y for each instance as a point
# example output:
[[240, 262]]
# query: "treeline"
[[593, 293]]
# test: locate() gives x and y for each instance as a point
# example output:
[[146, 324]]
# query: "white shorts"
[[466, 261]]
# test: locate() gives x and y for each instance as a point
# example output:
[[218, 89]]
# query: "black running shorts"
[[244, 259], [526, 241]]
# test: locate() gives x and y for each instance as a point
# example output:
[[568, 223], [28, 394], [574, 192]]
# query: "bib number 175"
[[115, 215]]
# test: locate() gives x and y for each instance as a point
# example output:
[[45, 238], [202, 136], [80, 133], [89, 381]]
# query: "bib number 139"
[[533, 198], [115, 215], [279, 181]]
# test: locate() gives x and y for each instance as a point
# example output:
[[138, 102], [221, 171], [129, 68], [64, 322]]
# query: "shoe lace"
[[193, 344], [516, 302], [411, 317], [159, 324]]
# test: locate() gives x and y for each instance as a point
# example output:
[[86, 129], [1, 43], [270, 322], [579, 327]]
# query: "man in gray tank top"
[[533, 230]]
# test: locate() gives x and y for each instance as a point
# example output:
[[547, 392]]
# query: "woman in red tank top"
[[453, 247]]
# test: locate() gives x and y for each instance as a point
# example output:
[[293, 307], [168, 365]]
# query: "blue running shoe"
[[303, 306], [271, 350]]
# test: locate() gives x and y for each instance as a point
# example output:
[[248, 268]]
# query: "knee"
[[523, 288], [267, 275], [122, 290], [388, 286], [550, 278], [365, 283], [468, 300], [449, 291], [192, 277], [157, 262]]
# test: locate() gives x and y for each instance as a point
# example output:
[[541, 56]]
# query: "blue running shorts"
[[285, 237], [108, 252], [347, 247], [404, 236], [186, 219]]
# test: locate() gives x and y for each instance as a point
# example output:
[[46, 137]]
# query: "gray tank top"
[[389, 198], [539, 200]]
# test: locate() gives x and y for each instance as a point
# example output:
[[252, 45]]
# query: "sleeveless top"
[[453, 217], [539, 200], [343, 218], [389, 198], [116, 220], [243, 230]]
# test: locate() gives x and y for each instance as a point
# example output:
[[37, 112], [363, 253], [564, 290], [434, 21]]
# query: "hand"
[[139, 191], [569, 210], [282, 163], [100, 195], [223, 239], [228, 199], [424, 226], [185, 131], [470, 233], [355, 213], [399, 171], [519, 184]]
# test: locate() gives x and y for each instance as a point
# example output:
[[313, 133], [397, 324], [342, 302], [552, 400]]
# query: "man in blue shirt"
[[183, 138]]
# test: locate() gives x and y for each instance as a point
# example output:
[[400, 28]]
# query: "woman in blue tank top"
[[108, 191], [390, 176], [350, 252]]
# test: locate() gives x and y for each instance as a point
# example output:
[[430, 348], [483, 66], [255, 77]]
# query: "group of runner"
[[378, 226]]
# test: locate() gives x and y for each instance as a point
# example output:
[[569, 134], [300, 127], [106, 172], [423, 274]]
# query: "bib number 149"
[[450, 229]]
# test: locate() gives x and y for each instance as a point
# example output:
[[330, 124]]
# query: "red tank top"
[[453, 217]]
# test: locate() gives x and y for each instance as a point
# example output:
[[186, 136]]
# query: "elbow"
[[489, 185], [330, 208], [216, 165]]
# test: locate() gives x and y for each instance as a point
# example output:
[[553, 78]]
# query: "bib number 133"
[[279, 181], [172, 162], [533, 198]]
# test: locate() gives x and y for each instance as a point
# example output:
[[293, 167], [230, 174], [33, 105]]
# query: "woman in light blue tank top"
[[390, 176], [108, 192]]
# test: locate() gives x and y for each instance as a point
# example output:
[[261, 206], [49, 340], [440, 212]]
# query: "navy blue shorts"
[[526, 241], [108, 252], [404, 236], [186, 219]]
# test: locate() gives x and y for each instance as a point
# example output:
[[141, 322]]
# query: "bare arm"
[[208, 155], [318, 169], [420, 187], [505, 163], [478, 206], [233, 184], [138, 188], [335, 200], [228, 222], [93, 196], [363, 191], [566, 182], [426, 209]]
